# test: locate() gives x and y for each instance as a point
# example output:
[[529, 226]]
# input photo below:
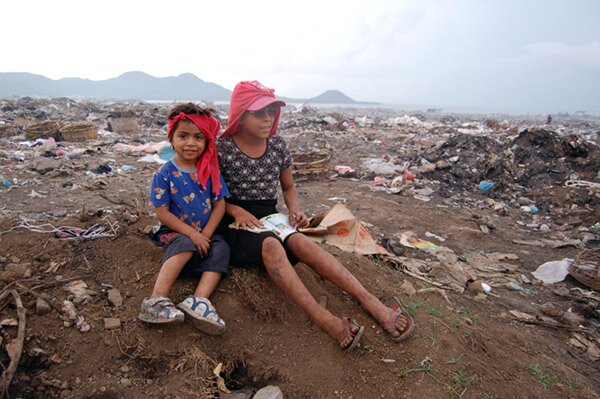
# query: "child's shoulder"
[[165, 169], [277, 139], [277, 142]]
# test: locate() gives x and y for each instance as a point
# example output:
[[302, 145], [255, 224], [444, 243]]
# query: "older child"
[[254, 161], [188, 194]]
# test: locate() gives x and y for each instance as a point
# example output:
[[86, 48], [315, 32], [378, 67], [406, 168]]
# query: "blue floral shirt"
[[179, 189]]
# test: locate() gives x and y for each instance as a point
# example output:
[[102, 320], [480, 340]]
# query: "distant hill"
[[136, 85], [327, 97], [130, 85], [332, 96]]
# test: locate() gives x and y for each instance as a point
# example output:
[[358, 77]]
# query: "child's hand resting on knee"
[[201, 242]]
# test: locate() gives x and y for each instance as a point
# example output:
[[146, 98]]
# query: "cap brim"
[[263, 102]]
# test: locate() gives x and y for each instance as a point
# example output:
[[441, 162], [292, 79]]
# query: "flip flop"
[[357, 336], [390, 325]]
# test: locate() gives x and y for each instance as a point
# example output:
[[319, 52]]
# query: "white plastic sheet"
[[553, 272]]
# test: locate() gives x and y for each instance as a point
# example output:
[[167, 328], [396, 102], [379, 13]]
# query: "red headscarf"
[[244, 94], [208, 165]]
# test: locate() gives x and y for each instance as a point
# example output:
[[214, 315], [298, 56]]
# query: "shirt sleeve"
[[160, 193], [286, 156], [224, 193]]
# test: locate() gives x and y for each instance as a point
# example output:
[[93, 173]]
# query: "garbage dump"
[[487, 227]]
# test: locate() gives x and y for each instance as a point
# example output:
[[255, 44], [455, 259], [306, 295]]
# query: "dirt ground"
[[465, 346]]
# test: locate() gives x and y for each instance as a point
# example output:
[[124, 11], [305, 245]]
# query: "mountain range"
[[136, 85]]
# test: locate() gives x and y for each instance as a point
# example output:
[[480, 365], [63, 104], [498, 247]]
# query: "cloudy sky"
[[525, 55]]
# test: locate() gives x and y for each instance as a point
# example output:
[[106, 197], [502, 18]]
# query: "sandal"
[[390, 324], [347, 331]]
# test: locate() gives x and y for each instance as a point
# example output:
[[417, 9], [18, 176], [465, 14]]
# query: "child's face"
[[188, 141], [259, 123]]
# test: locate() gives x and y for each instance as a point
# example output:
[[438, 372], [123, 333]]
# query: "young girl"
[[188, 194], [254, 161]]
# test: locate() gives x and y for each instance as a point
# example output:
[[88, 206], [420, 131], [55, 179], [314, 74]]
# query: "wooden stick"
[[543, 324], [120, 201], [41, 296], [8, 374]]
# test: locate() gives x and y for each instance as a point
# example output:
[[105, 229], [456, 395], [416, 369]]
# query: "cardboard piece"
[[339, 227]]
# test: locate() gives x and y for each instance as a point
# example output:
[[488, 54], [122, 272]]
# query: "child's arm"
[[290, 196], [215, 218], [243, 218], [201, 241]]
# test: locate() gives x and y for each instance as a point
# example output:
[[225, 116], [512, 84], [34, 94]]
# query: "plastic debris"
[[553, 272], [485, 185], [529, 209]]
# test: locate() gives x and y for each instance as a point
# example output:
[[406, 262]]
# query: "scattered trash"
[[431, 235], [380, 166], [486, 185], [345, 171], [529, 209], [512, 286], [409, 240], [479, 287], [74, 233], [114, 297], [553, 272], [128, 168], [80, 293], [112, 323]]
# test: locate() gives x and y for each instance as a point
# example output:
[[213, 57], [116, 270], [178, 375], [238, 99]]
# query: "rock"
[[269, 392], [112, 323], [126, 382], [8, 276], [442, 164], [550, 309], [479, 287], [45, 165], [571, 319], [428, 167], [512, 286], [66, 393], [21, 270], [115, 298], [407, 288], [544, 228], [42, 307], [525, 201]]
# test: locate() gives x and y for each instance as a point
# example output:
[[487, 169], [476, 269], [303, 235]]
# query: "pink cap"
[[263, 102]]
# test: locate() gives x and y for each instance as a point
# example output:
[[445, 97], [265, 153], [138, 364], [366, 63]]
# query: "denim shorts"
[[217, 259]]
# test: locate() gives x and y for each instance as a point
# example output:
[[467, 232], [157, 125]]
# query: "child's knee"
[[221, 252], [271, 246]]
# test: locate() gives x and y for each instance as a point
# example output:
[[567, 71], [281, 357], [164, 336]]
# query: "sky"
[[538, 56]]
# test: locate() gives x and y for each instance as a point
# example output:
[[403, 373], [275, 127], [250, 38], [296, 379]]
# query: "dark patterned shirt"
[[253, 178]]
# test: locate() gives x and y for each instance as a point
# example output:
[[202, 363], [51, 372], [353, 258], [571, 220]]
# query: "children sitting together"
[[232, 179]]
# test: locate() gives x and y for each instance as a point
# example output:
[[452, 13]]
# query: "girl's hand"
[[298, 219], [201, 242], [245, 220]]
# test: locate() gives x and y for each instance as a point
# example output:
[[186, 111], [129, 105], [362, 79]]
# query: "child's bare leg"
[[285, 277], [329, 267], [207, 284], [168, 273]]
